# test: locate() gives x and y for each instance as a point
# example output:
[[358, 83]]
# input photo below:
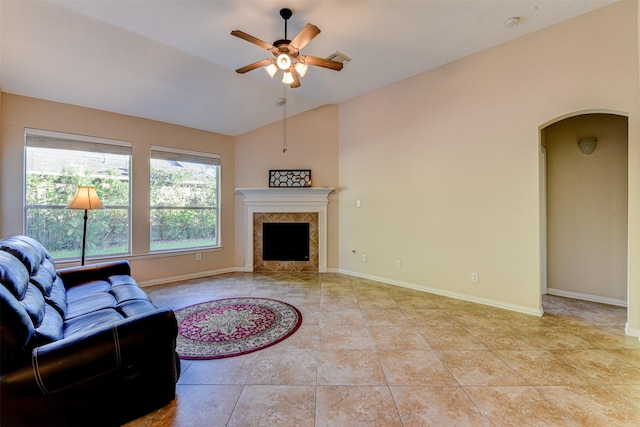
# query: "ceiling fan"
[[286, 54]]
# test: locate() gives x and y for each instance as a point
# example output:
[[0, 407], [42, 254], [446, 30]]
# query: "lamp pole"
[[86, 199], [84, 235]]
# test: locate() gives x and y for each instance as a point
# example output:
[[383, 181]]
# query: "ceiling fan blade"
[[321, 62], [251, 39], [258, 64], [296, 78], [308, 33]]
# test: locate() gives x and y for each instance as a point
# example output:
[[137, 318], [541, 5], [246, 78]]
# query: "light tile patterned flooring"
[[371, 354]]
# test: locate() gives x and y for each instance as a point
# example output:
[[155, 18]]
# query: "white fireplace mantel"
[[285, 200]]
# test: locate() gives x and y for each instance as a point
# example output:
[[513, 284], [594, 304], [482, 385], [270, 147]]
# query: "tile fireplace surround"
[[280, 205]]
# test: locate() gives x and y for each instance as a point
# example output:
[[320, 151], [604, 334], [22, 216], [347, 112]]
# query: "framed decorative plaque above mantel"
[[290, 178]]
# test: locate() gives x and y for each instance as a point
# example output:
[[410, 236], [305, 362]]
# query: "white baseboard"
[[632, 332], [586, 297], [190, 276], [456, 295], [485, 301]]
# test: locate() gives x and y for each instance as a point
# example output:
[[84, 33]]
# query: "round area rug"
[[233, 326]]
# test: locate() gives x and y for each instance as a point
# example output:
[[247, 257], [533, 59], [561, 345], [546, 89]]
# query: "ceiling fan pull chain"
[[284, 119]]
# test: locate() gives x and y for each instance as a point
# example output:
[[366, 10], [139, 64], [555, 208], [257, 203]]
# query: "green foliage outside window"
[[60, 229], [184, 211], [183, 196]]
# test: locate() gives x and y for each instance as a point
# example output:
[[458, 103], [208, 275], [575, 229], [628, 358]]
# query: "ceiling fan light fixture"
[[271, 69], [301, 68], [287, 78], [283, 61]]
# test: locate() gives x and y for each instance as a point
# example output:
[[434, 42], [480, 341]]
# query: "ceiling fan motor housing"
[[282, 45], [285, 13]]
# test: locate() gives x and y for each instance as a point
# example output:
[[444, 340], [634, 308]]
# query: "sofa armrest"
[[73, 276], [111, 350]]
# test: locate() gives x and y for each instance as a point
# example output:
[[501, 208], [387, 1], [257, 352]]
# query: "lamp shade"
[[85, 198]]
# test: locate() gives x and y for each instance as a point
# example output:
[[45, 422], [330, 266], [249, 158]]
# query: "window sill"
[[63, 263]]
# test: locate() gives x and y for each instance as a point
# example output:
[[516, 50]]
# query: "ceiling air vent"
[[339, 57]]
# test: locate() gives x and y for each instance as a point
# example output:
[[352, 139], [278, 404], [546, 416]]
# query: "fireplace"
[[285, 205], [308, 220], [285, 241]]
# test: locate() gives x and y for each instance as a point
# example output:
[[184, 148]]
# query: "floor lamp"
[[86, 198]]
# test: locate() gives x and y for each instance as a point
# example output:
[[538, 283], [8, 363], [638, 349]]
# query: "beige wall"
[[20, 112], [633, 266], [450, 184], [312, 141], [587, 208]]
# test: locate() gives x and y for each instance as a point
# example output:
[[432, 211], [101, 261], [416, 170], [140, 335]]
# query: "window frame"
[[158, 152], [39, 138]]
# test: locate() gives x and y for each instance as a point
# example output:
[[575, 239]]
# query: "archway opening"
[[586, 203]]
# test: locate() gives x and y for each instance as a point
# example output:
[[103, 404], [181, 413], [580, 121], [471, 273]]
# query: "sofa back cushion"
[[33, 298], [13, 275], [31, 256]]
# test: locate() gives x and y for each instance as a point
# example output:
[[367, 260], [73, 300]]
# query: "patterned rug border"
[[239, 353]]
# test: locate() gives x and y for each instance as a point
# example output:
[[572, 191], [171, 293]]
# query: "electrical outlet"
[[398, 263], [198, 257], [364, 258], [475, 278]]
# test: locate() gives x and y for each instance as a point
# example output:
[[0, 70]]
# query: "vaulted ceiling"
[[175, 60]]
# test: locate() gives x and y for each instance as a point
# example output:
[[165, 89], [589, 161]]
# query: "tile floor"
[[370, 354]]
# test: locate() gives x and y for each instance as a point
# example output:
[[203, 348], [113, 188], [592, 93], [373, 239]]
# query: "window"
[[55, 164], [185, 194]]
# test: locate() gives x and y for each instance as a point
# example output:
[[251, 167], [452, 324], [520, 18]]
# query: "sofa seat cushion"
[[86, 288], [89, 321], [88, 303], [122, 279], [125, 293], [113, 293], [135, 307]]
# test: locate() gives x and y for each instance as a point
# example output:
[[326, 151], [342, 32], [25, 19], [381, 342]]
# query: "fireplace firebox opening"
[[285, 241]]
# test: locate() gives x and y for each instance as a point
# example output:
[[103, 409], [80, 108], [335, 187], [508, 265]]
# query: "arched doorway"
[[585, 250]]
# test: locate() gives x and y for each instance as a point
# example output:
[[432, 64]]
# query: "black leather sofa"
[[79, 346]]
